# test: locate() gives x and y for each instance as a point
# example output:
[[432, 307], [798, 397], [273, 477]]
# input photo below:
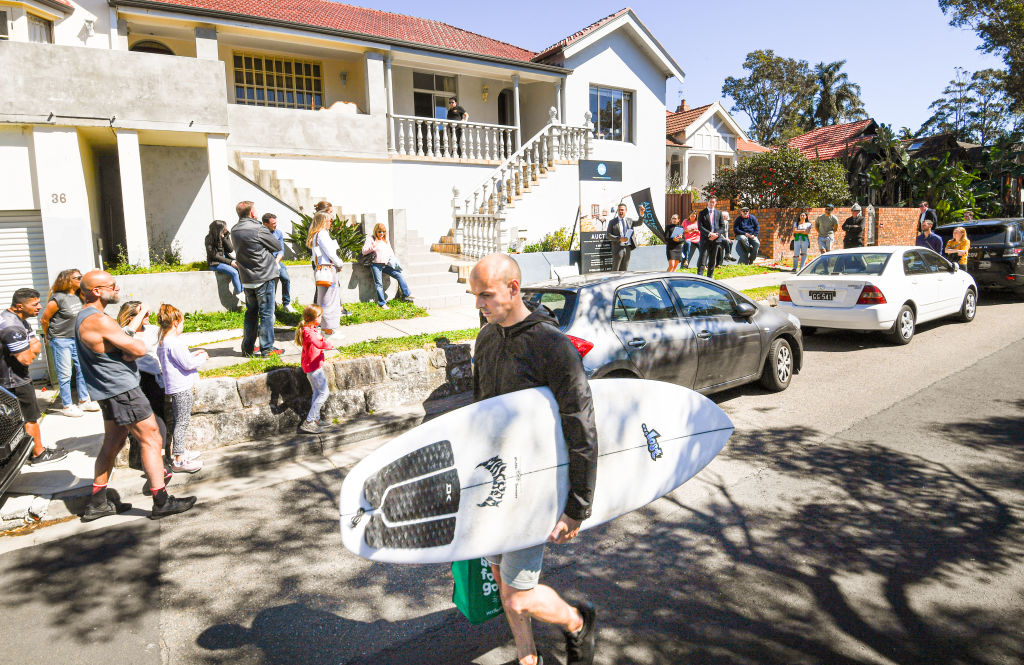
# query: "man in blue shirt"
[[929, 239], [270, 221], [748, 234]]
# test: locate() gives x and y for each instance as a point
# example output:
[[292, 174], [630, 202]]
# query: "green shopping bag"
[[476, 591]]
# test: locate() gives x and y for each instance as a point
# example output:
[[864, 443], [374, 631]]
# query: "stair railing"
[[478, 219]]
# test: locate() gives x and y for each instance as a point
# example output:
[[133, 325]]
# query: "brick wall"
[[896, 226]]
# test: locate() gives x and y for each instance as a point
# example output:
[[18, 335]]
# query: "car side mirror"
[[745, 309], [955, 267]]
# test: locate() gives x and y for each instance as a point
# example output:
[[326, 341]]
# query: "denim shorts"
[[520, 569]]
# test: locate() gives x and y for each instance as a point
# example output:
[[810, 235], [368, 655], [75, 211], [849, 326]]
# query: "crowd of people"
[[141, 377]]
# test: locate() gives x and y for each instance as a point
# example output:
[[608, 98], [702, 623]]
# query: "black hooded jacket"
[[535, 353]]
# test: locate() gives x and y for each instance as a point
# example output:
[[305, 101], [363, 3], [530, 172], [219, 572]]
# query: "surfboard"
[[493, 477]]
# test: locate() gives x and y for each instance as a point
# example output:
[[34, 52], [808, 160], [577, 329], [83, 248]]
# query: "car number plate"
[[822, 295], [984, 265]]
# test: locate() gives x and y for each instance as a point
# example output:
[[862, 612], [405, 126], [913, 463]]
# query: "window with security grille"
[[263, 80]]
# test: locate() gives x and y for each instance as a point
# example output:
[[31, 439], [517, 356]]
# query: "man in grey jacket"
[[257, 268]]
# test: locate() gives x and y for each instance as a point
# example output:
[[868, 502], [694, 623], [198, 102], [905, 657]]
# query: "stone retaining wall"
[[228, 410]]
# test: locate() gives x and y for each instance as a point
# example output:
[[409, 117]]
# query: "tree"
[[950, 111], [888, 170], [973, 107], [838, 99], [772, 94], [781, 178], [1000, 25]]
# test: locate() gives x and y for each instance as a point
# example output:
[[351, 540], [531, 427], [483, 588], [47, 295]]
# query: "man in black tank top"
[[108, 358]]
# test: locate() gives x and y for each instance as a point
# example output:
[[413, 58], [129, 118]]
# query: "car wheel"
[[778, 366], [903, 327], [970, 306]]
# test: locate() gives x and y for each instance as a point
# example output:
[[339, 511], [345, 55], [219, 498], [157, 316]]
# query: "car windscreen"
[[864, 263], [561, 304]]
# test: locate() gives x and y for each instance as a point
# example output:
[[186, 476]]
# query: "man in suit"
[[714, 238], [621, 235], [927, 214]]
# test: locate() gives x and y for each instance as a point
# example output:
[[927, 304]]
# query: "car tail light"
[[871, 295], [1013, 251], [582, 345], [1011, 277], [784, 294]]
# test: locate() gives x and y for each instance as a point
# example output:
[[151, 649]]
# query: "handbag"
[[476, 592], [792, 243], [323, 273], [367, 259]]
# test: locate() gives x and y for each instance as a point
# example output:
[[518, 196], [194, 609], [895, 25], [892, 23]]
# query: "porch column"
[[221, 205], [559, 88], [684, 172], [206, 43], [390, 91], [130, 165], [515, 104], [375, 93]]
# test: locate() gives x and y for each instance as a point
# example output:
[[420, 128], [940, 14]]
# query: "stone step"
[[446, 248]]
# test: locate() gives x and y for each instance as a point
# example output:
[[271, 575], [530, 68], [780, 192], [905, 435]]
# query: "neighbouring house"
[[842, 142], [700, 141], [128, 125]]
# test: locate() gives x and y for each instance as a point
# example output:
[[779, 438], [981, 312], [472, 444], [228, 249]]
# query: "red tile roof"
[[558, 46], [750, 146], [828, 142], [371, 22], [679, 121]]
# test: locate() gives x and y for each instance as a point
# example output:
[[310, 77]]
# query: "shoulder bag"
[[325, 273]]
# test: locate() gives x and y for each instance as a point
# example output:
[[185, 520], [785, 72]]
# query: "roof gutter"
[[334, 32], [59, 6]]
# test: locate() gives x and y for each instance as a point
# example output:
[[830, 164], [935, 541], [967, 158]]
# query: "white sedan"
[[888, 289]]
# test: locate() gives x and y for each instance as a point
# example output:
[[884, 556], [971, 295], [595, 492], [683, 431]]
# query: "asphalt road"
[[870, 514]]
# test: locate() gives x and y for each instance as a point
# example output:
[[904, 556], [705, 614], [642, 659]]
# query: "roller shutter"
[[23, 263]]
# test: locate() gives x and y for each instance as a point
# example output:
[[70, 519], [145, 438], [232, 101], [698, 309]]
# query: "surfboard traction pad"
[[432, 494]]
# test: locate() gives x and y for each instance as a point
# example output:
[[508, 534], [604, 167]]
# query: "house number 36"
[[59, 198]]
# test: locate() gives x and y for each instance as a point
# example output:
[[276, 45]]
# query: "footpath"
[[56, 492]]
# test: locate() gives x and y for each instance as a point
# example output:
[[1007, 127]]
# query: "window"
[[278, 82], [612, 112], [849, 264], [722, 162], [431, 93], [644, 302], [913, 263], [40, 30], [699, 299], [936, 263], [151, 46], [561, 304]]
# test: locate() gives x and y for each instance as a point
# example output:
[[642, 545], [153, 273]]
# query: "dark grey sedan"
[[674, 327]]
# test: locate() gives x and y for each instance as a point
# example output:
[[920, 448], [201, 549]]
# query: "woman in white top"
[[384, 261], [325, 253]]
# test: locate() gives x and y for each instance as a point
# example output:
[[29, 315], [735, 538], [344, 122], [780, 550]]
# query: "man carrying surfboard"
[[520, 349]]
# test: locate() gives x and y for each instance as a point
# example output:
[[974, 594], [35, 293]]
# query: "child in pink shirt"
[[313, 344]]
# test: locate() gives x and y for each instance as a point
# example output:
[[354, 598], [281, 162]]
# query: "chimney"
[[683, 106]]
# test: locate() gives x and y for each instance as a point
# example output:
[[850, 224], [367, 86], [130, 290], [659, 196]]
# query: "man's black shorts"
[[26, 395], [127, 408]]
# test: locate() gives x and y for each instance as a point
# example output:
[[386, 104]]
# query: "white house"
[[131, 124], [700, 141]]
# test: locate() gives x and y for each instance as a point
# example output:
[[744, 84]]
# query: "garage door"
[[23, 263]]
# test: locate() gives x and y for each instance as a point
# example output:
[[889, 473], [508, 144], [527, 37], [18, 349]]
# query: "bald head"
[[495, 281], [99, 285], [496, 266]]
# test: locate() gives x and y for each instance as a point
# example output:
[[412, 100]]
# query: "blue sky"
[[901, 52]]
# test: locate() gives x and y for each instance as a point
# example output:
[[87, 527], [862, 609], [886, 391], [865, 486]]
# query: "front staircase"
[[429, 276], [485, 220]]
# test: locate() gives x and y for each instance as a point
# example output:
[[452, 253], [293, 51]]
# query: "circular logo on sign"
[[602, 168]]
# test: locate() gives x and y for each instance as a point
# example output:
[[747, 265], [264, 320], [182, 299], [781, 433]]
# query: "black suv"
[[15, 443], [996, 257]]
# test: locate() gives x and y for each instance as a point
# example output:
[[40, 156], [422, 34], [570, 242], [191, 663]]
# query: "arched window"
[[150, 46]]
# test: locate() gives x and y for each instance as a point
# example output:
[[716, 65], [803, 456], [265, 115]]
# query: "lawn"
[[761, 292], [735, 270], [362, 312]]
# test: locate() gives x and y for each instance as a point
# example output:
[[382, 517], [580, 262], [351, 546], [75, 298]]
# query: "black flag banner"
[[645, 208]]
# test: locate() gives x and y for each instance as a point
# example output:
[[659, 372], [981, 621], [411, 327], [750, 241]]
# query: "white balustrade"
[[452, 139]]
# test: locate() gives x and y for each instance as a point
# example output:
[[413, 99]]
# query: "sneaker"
[[47, 456], [310, 427], [272, 352], [384, 306], [579, 646], [112, 506], [345, 312], [186, 466], [72, 411], [173, 506], [89, 406]]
